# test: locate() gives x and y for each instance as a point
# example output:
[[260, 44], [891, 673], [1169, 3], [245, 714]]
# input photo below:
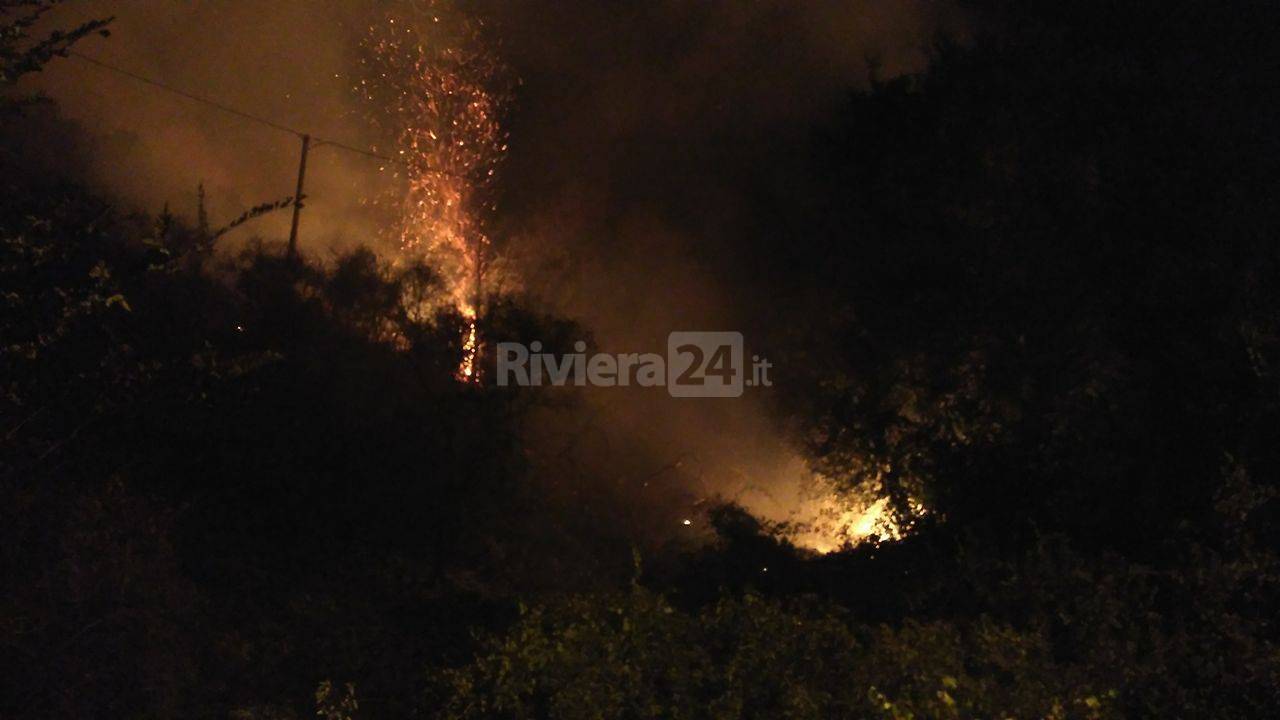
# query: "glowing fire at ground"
[[832, 522], [813, 513], [439, 95]]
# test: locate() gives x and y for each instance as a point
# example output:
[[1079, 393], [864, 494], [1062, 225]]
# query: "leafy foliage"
[[1037, 255], [21, 52], [240, 435], [633, 655]]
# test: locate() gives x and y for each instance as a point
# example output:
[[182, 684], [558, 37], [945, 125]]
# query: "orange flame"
[[439, 93], [467, 370]]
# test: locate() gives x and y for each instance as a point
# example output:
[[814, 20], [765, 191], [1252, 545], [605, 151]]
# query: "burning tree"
[[438, 93]]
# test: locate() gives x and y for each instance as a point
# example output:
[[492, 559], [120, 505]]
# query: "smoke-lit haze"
[[641, 135]]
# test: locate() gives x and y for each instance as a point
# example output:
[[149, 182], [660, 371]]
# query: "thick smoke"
[[641, 135], [287, 62], [644, 138]]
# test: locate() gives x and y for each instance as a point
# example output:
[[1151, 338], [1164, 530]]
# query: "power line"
[[307, 138], [309, 141], [220, 106], [185, 94], [348, 148]]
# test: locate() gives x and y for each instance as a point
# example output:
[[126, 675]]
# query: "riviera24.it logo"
[[697, 364]]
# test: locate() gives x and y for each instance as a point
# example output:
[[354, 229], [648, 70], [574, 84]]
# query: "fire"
[[816, 513], [467, 370], [439, 94], [832, 521]]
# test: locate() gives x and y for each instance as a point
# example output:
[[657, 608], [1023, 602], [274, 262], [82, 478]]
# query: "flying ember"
[[438, 95]]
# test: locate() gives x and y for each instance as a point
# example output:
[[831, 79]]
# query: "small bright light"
[[687, 522]]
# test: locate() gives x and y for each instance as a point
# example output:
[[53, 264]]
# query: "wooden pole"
[[297, 198]]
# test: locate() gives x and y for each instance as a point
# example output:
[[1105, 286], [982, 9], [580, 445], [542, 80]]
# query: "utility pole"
[[297, 198]]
